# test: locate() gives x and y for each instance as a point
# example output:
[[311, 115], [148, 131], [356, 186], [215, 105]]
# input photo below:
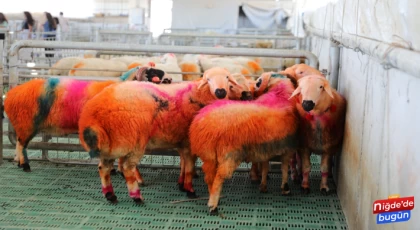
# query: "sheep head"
[[240, 91], [153, 75], [315, 90], [265, 82], [218, 80], [300, 70]]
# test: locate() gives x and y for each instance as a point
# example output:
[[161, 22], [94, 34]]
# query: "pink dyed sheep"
[[226, 133], [322, 114]]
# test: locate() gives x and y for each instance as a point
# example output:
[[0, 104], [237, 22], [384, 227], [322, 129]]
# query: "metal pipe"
[[390, 56], [334, 65], [234, 36], [277, 53], [1, 99]]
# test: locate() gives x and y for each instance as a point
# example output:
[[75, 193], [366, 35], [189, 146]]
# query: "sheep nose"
[[246, 96], [220, 93], [308, 105]]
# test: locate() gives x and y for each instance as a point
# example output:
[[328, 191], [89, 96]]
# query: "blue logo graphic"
[[393, 217]]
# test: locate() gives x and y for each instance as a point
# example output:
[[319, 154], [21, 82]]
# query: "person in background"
[[49, 28], [28, 25], [64, 26], [58, 30], [3, 25]]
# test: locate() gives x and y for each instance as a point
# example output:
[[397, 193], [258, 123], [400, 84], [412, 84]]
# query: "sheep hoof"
[[138, 200], [255, 181], [263, 189], [196, 176], [214, 212], [111, 197], [268, 177], [19, 165], [113, 172], [26, 167], [305, 191], [181, 187], [191, 195], [285, 191], [121, 173], [324, 191], [142, 184]]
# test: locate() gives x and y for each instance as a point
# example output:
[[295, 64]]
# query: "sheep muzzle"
[[308, 105], [220, 93]]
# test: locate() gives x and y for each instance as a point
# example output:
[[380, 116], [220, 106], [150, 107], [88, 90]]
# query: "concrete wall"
[[380, 155]]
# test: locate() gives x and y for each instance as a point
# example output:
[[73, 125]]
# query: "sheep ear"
[[232, 80], [203, 81], [328, 90], [296, 92]]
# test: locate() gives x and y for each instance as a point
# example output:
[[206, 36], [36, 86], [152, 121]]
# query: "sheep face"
[[263, 83], [241, 91], [218, 80], [167, 57], [300, 70], [313, 89], [158, 76]]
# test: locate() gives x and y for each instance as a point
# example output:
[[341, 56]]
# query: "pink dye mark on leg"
[[72, 104], [107, 189], [135, 194], [181, 180], [188, 187]]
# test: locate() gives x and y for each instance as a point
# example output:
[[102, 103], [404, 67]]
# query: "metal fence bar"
[[1, 99], [276, 53]]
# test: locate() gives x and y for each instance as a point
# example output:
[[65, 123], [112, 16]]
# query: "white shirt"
[[64, 24]]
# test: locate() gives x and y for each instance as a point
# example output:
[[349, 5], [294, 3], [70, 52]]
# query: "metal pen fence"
[[132, 37], [67, 149], [244, 41]]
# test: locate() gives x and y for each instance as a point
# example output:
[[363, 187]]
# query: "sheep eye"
[[321, 87], [231, 87], [227, 77], [301, 72]]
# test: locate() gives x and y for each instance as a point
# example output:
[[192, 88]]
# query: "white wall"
[[380, 155]]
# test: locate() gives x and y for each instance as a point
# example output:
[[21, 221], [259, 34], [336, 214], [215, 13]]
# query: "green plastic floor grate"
[[56, 196]]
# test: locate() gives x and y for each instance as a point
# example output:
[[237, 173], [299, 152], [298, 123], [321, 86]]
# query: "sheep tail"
[[92, 137]]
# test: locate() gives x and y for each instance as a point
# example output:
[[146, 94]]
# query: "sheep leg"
[[293, 170], [209, 169], [254, 173], [130, 173], [325, 163], [22, 157], [139, 178], [189, 162], [264, 173], [299, 166], [285, 190], [105, 166], [182, 172], [224, 171], [306, 169]]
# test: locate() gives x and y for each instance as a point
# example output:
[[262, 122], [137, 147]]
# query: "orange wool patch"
[[254, 66], [189, 67], [134, 65], [21, 107], [78, 65], [246, 73]]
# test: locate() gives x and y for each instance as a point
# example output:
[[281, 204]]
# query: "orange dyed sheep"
[[298, 71], [125, 118], [322, 114], [54, 106], [226, 133]]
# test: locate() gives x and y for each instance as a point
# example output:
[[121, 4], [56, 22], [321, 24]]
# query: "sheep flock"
[[215, 110]]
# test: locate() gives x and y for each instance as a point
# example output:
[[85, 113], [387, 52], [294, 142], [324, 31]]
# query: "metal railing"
[[248, 41], [125, 36]]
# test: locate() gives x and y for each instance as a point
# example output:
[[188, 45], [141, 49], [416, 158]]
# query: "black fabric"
[[50, 37]]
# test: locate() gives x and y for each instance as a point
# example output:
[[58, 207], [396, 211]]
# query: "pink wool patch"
[[73, 101], [107, 189], [135, 194]]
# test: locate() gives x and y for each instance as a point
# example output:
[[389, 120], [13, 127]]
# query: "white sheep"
[[98, 67]]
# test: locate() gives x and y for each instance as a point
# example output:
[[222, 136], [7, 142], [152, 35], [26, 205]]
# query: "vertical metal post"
[[334, 65], [297, 60], [1, 99]]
